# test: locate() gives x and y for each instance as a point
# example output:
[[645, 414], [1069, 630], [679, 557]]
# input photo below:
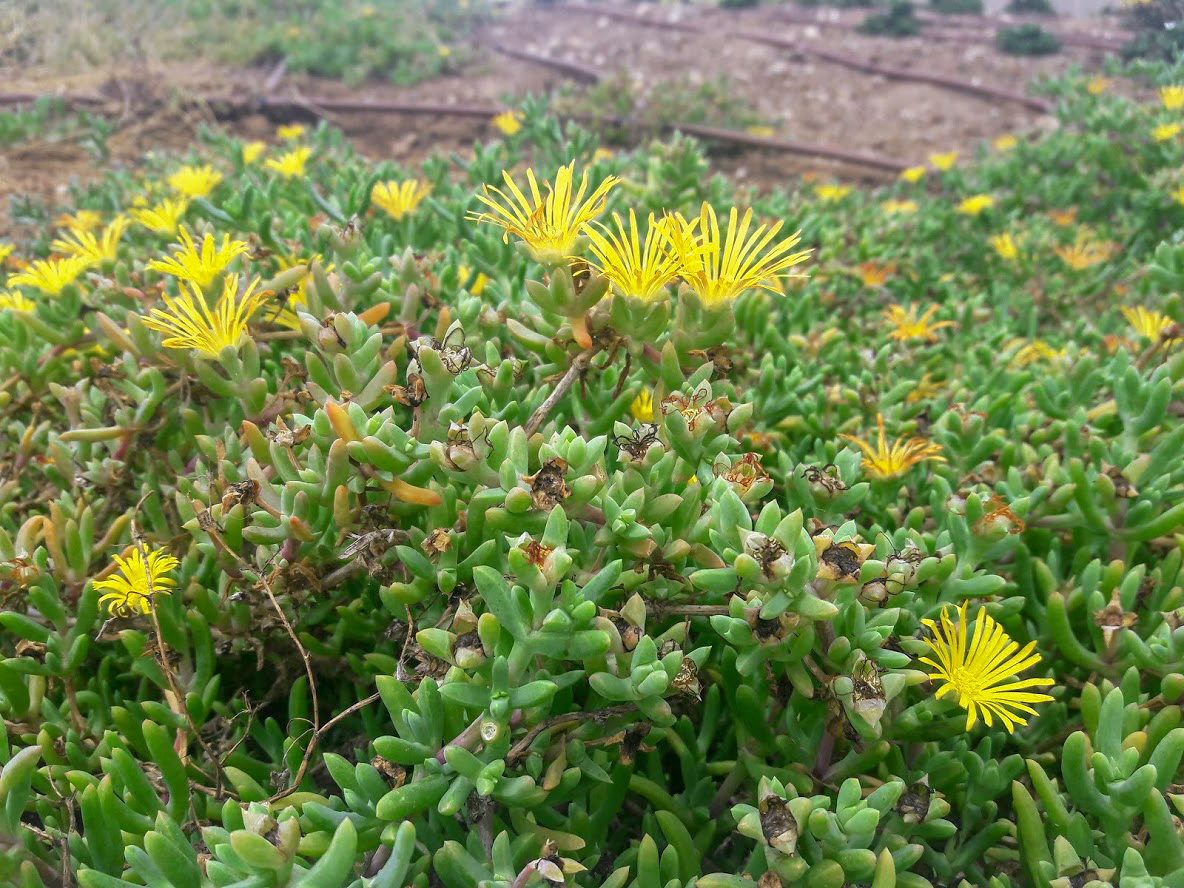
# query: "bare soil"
[[801, 97]]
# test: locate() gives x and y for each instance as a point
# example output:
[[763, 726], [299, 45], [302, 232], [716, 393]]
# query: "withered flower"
[[867, 695], [913, 806], [411, 395], [536, 552], [436, 543], [1113, 618], [778, 825], [547, 487], [826, 478], [745, 473]]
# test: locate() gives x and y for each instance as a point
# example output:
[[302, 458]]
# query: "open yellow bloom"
[[252, 151], [194, 181], [943, 161], [164, 217], [550, 226], [194, 326], [829, 192], [399, 199], [1084, 252], [1148, 323], [1035, 351], [5, 252], [50, 276], [884, 461], [1178, 195], [972, 206], [133, 591], [81, 220], [1005, 245], [290, 132], [1172, 97], [1165, 131], [638, 269], [290, 164], [1005, 142], [200, 266], [642, 408], [899, 207], [875, 274], [11, 299], [913, 173], [508, 122], [95, 250], [1095, 86], [979, 669], [909, 326], [719, 268]]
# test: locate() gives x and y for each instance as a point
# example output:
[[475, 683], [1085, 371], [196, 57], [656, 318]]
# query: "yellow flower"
[[884, 462], [943, 161], [291, 163], [1148, 323], [550, 226], [252, 151], [1172, 97], [290, 132], [50, 276], [508, 122], [638, 269], [5, 252], [194, 326], [924, 388], [194, 181], [1165, 131], [913, 173], [909, 326], [1006, 142], [1178, 194], [79, 220], [14, 300], [164, 217], [464, 278], [1084, 252], [975, 668], [1005, 245], [1034, 351], [761, 131], [399, 199], [1095, 86], [829, 192], [642, 408], [874, 274], [602, 154], [132, 593], [901, 207], [200, 266], [719, 269], [972, 206], [94, 250], [1063, 218], [443, 51]]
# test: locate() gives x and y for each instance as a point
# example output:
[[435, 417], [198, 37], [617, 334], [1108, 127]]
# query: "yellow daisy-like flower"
[[508, 122], [830, 192], [133, 591], [899, 207], [1148, 323], [719, 268], [1084, 252], [193, 325], [399, 199], [80, 220], [1035, 351], [464, 276], [1172, 97], [972, 206], [550, 226], [924, 389], [290, 132], [943, 161], [908, 325], [200, 266], [5, 252], [642, 408], [252, 151], [95, 250], [638, 269], [11, 299], [164, 217], [1005, 142], [884, 461], [50, 276], [290, 164], [1005, 246], [1095, 86], [1165, 131], [979, 668], [913, 173], [1178, 195], [194, 181]]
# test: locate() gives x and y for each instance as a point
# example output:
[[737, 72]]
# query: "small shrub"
[[957, 7], [1156, 33], [1029, 40], [899, 21], [1033, 7]]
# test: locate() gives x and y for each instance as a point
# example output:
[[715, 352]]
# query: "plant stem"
[[578, 365]]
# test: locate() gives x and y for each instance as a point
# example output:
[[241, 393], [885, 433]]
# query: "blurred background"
[[848, 89]]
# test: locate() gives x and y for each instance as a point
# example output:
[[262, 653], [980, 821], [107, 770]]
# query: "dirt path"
[[800, 97]]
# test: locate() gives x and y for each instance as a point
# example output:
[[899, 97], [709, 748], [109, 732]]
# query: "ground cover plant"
[[560, 516]]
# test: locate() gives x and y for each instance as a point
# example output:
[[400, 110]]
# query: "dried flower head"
[[194, 326], [884, 461], [977, 666], [138, 582]]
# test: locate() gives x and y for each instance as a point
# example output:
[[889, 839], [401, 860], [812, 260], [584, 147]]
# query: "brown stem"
[[567, 720], [578, 365], [466, 739]]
